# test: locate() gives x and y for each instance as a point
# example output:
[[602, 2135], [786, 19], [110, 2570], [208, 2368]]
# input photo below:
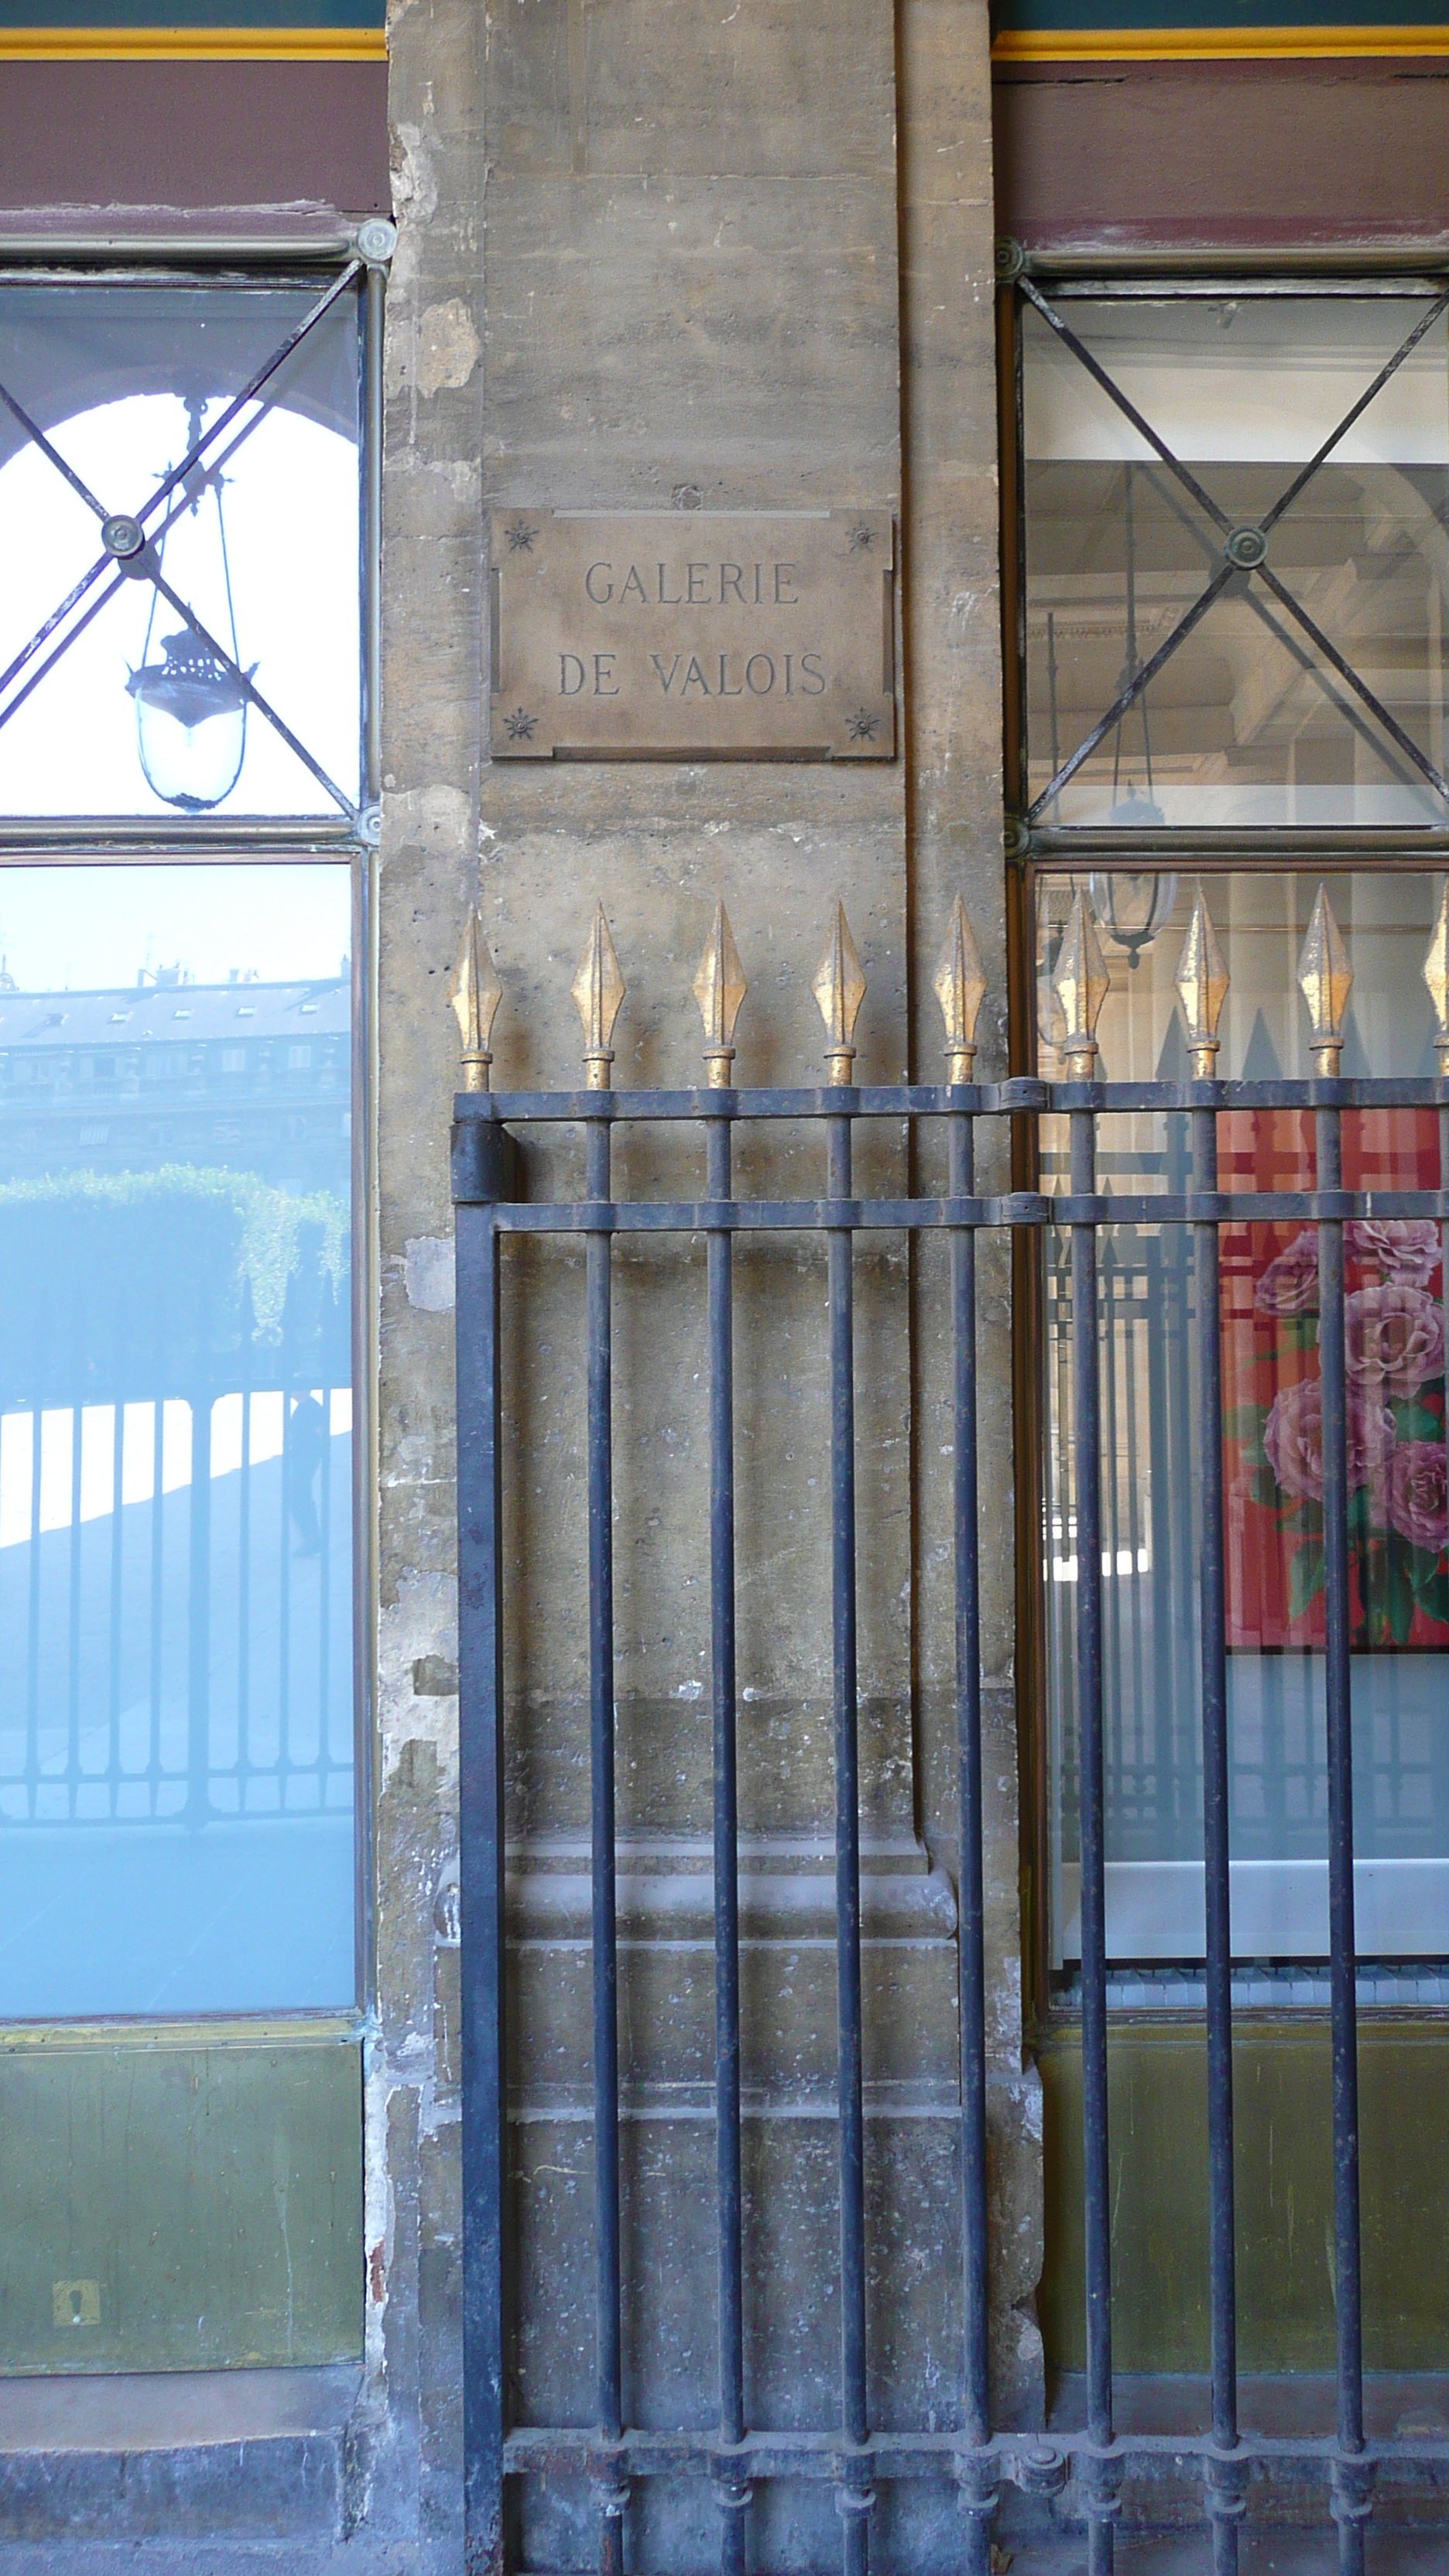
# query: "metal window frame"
[[1300, 277], [257, 261], [220, 840]]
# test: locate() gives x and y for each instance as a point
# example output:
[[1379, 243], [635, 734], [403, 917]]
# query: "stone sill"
[[159, 2454]]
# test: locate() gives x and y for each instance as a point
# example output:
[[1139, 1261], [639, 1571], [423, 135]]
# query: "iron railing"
[[1088, 2468]]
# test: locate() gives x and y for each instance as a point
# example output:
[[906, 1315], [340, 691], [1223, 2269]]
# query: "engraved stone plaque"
[[669, 635]]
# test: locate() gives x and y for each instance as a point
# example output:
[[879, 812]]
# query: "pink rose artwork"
[[1419, 1492], [1393, 1337], [1289, 1285], [1293, 1440], [1395, 1346], [1403, 1248]]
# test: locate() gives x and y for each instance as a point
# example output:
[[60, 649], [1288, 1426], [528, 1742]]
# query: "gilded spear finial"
[[1436, 976], [1202, 984], [839, 988], [598, 990], [719, 989], [1324, 977], [475, 994], [1080, 982], [960, 989]]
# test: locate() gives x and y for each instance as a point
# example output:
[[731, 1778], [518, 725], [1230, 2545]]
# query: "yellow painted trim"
[[193, 44], [228, 2030], [1210, 44]]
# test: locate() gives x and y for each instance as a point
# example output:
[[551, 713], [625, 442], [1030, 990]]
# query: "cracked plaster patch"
[[448, 347], [428, 1272], [432, 815], [421, 1622]]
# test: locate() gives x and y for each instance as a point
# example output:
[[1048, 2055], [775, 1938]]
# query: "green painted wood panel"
[[169, 2205], [1284, 2183]]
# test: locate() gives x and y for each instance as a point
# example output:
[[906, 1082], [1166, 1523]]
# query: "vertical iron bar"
[[853, 2495], [1348, 2495], [977, 2484], [729, 2184], [601, 1757], [118, 1452], [1224, 2495], [478, 1184], [244, 1601], [154, 1760], [324, 1600], [480, 1867], [73, 1616], [32, 1643], [198, 1616], [1087, 1464], [284, 1586]]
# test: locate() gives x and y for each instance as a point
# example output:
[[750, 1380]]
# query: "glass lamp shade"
[[1132, 909], [191, 725]]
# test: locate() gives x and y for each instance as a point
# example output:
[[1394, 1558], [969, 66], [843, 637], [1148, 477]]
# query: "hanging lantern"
[[191, 725], [1132, 909], [191, 711]]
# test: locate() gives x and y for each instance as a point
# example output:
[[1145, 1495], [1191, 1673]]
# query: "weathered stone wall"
[[654, 255]]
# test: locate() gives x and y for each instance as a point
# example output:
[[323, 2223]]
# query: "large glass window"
[[1235, 557], [1268, 1311], [1235, 561], [180, 501], [176, 1513]]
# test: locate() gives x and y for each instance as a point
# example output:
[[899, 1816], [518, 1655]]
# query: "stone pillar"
[[654, 255]]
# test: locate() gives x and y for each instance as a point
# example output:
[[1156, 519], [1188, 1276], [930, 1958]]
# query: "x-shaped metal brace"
[[131, 551], [1244, 554]]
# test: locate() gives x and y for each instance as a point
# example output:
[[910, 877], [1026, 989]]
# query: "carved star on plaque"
[[520, 537], [520, 726], [863, 726], [861, 537]]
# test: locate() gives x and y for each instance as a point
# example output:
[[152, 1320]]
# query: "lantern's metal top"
[[719, 989], [1324, 978], [1436, 976], [475, 994], [599, 990], [1081, 983], [1202, 984], [960, 984], [839, 988]]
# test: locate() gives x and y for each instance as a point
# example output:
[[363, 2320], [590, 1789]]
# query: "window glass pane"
[[176, 1690], [1247, 723], [1268, 1309], [123, 708]]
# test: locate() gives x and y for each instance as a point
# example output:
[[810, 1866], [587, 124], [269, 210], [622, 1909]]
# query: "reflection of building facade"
[[245, 1076]]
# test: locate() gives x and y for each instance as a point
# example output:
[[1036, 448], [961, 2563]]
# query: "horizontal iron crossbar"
[[1020, 1207], [1028, 2460], [938, 1099]]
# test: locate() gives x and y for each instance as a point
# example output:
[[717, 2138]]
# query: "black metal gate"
[[739, 2457]]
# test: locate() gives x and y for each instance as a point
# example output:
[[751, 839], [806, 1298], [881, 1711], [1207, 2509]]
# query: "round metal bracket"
[[1010, 261], [1016, 835], [376, 241], [369, 826], [1040, 2472], [1246, 547], [122, 536]]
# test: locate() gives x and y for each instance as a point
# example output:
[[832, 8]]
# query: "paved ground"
[[1389, 2554]]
